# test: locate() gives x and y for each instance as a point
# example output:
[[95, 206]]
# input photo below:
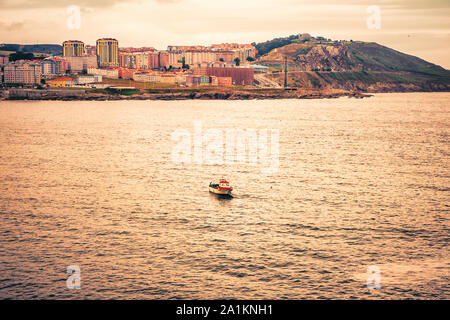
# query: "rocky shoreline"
[[208, 95]]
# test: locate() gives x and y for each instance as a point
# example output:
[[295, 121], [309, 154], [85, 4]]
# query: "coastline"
[[274, 94], [15, 94]]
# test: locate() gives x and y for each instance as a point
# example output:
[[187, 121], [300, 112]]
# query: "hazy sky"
[[420, 28]]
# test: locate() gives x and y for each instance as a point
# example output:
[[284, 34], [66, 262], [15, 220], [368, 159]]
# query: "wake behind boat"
[[222, 188]]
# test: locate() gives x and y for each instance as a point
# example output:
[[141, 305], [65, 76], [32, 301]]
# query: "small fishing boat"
[[221, 188]]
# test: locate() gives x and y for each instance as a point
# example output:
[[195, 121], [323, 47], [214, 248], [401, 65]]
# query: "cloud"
[[387, 4], [41, 4], [13, 26], [169, 1], [416, 4]]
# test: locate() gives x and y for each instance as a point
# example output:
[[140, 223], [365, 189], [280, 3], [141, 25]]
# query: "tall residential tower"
[[73, 48], [108, 52]]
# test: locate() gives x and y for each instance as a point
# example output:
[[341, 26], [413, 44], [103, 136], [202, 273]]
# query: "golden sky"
[[420, 28]]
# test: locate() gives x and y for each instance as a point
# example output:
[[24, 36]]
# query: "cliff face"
[[364, 81], [352, 65], [306, 57]]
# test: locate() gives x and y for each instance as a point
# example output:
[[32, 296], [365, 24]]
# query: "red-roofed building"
[[60, 82]]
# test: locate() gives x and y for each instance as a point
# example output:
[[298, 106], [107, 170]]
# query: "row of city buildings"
[[109, 54], [95, 81], [181, 65]]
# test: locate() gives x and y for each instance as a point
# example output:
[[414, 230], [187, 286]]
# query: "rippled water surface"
[[360, 183]]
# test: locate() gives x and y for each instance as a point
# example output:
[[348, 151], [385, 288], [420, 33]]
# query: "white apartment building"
[[89, 79], [107, 73], [146, 77], [23, 72]]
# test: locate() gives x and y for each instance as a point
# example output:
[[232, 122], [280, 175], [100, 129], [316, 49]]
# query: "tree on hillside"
[[19, 55], [183, 62], [238, 61], [267, 46]]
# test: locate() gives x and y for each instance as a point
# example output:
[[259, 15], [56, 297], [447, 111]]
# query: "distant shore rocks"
[[71, 95]]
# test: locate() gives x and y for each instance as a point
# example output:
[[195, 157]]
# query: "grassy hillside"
[[353, 65], [50, 49], [380, 58]]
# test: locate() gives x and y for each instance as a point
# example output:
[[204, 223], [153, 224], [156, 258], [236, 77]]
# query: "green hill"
[[50, 49], [354, 65]]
